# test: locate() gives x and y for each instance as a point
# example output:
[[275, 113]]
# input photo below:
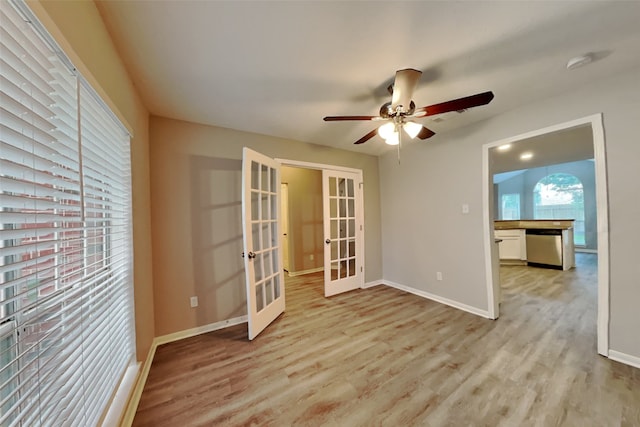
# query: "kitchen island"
[[537, 242]]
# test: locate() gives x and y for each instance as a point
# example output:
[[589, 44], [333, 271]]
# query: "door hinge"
[[361, 269]]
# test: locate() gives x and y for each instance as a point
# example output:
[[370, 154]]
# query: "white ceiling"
[[278, 67]]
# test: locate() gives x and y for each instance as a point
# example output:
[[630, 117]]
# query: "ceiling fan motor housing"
[[387, 112]]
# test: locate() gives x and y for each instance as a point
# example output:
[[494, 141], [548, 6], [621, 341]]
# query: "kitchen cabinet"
[[513, 246]]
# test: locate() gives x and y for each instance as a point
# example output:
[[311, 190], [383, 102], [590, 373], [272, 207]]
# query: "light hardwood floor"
[[383, 357]]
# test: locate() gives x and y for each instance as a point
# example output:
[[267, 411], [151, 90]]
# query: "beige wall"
[[306, 235], [196, 223], [79, 29], [424, 230]]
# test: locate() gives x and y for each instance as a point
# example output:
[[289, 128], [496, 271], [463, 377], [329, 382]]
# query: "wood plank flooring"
[[382, 357]]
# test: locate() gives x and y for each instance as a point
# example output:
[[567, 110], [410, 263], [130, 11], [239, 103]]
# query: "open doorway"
[[302, 220], [492, 206], [325, 230]]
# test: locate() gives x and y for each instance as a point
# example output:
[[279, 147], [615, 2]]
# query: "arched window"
[[561, 196]]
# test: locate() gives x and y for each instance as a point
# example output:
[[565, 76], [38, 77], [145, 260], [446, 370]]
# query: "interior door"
[[261, 237], [343, 252]]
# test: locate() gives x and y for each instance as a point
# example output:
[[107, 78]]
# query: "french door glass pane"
[[255, 176], [276, 285], [269, 291], [259, 297], [264, 178], [332, 187]]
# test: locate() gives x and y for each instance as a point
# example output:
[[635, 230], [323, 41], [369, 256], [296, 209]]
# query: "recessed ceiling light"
[[504, 147], [579, 61], [526, 156]]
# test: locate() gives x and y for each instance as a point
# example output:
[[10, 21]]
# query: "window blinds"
[[66, 316]]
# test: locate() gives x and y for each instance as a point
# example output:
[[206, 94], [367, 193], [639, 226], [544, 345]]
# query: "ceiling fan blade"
[[455, 105], [403, 87], [367, 137], [347, 118], [425, 133]]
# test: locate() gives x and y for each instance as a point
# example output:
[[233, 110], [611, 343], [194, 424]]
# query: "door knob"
[[327, 241]]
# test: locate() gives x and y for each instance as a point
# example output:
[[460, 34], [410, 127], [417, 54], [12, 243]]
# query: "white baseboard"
[[437, 298], [303, 272], [188, 333], [132, 407], [372, 284], [627, 359]]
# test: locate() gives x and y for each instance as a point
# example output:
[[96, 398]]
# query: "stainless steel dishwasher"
[[544, 247]]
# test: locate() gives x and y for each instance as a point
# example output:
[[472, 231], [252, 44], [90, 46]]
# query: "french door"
[[261, 239], [343, 251]]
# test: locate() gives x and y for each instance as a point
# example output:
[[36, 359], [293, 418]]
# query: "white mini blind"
[[66, 315]]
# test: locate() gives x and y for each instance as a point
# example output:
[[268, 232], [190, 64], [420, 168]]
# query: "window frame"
[[82, 307], [579, 218]]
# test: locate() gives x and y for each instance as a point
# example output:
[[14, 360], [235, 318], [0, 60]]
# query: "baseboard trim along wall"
[[130, 413], [437, 298], [372, 284], [188, 333], [627, 359], [303, 272]]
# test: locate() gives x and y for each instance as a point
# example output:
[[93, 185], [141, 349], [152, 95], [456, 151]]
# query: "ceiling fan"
[[398, 114]]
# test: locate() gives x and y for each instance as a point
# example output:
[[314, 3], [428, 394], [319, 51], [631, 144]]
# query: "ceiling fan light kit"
[[398, 113], [412, 129], [393, 139], [386, 130]]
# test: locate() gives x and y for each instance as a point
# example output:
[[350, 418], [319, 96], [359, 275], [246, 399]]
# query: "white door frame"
[[284, 219], [321, 166], [602, 208]]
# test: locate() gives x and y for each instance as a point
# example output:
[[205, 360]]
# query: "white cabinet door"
[[512, 245]]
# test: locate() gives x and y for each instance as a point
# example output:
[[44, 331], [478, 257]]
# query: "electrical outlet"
[[465, 208], [311, 257], [439, 275], [194, 302]]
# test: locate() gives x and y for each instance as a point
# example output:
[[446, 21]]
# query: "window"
[[510, 206], [561, 196], [66, 326]]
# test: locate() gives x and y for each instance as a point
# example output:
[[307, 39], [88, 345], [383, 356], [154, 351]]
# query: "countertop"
[[555, 224]]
